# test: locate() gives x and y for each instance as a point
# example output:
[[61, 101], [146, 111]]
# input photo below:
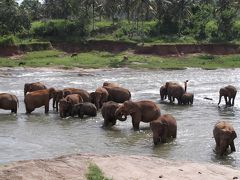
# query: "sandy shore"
[[115, 167]]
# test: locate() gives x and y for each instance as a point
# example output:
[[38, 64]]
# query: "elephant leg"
[[57, 102], [135, 124], [233, 100], [28, 111], [233, 149], [46, 108], [14, 111], [226, 102], [174, 134]]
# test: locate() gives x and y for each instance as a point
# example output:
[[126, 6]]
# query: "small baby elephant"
[[164, 127], [85, 108]]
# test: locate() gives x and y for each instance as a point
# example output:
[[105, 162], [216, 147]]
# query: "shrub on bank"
[[35, 46], [7, 41], [60, 28]]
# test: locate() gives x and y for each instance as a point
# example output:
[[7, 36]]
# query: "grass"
[[95, 59], [95, 173]]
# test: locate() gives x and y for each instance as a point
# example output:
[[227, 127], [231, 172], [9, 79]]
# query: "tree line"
[[216, 19]]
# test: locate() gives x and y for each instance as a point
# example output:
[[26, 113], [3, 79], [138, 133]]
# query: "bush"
[[236, 29], [7, 41], [211, 29], [60, 28], [35, 46]]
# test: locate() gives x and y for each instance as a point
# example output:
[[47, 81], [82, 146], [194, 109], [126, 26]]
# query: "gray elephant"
[[30, 87], [85, 108], [99, 97], [140, 111], [37, 99], [9, 102], [163, 92], [118, 94], [187, 98], [228, 92], [164, 127], [174, 90], [224, 135], [108, 113]]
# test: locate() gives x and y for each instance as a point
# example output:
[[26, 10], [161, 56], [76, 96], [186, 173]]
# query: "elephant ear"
[[234, 134], [130, 106], [92, 97]]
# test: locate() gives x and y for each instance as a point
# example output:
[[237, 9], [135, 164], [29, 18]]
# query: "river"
[[43, 136]]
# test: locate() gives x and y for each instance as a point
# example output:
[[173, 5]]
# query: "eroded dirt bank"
[[115, 167], [116, 47]]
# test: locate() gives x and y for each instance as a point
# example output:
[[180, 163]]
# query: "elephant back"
[[83, 93], [118, 94]]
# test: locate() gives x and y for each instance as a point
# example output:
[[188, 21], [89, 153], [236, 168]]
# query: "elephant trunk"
[[156, 140], [185, 86], [26, 87], [220, 97], [120, 115]]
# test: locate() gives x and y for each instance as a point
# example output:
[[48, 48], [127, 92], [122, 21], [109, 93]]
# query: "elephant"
[[224, 135], [228, 92], [37, 99], [108, 113], [99, 97], [9, 102], [58, 94], [118, 94], [164, 127], [163, 92], [66, 104], [30, 87], [187, 98], [85, 108], [174, 90], [145, 111]]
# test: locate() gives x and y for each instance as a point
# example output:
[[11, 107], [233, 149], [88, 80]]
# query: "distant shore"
[[115, 167]]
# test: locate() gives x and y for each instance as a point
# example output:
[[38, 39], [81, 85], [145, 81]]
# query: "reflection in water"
[[39, 136]]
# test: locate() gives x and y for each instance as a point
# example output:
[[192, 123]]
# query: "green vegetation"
[[148, 21], [96, 59], [95, 173]]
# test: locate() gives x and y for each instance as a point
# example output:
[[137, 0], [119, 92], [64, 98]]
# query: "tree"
[[33, 8], [12, 18]]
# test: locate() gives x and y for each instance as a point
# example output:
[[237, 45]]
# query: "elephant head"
[[108, 112], [163, 92], [127, 108], [159, 130], [65, 108], [224, 135], [57, 95], [29, 87], [51, 91], [100, 96]]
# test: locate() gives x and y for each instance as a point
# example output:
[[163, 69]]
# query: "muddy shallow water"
[[39, 136]]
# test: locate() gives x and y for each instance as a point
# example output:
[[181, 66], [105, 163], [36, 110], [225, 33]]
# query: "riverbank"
[[97, 59], [115, 167]]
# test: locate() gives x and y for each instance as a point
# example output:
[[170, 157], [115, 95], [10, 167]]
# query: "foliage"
[[12, 18], [211, 29], [95, 173], [137, 20], [236, 28], [59, 28], [7, 41]]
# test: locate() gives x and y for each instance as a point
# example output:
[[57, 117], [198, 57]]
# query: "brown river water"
[[43, 136]]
